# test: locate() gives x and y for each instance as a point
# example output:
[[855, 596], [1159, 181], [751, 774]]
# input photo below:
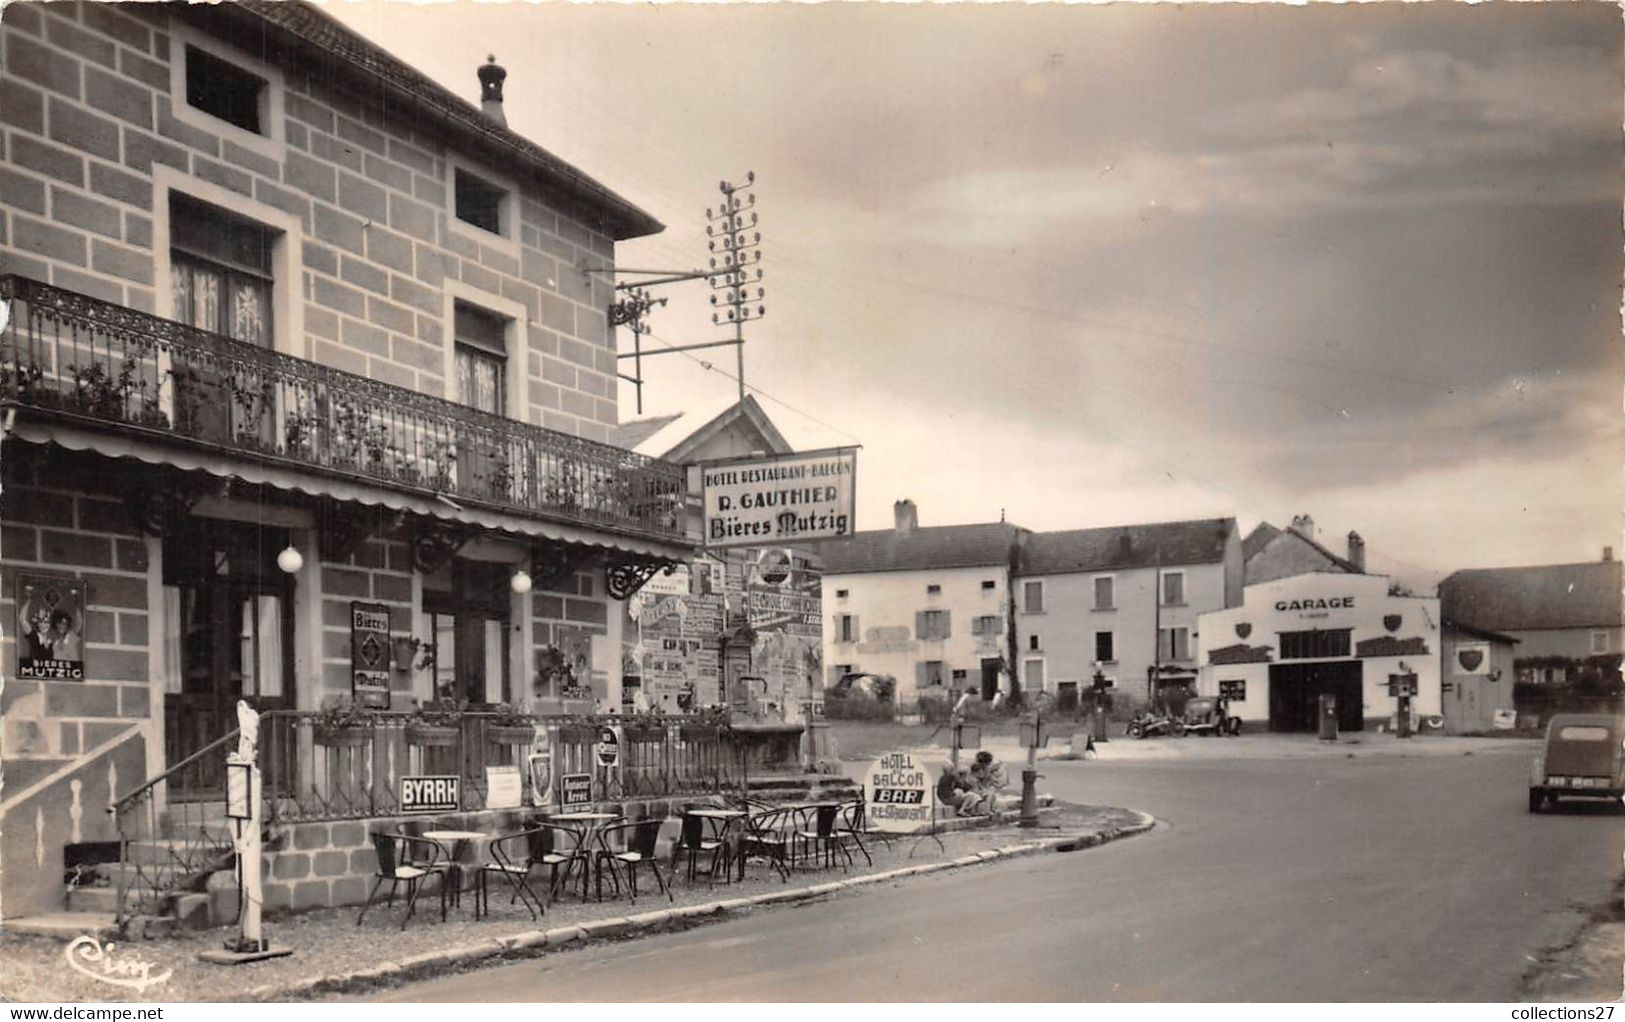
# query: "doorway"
[[990, 678], [467, 608], [1295, 691], [229, 636]]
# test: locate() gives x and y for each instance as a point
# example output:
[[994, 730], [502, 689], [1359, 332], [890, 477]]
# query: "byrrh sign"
[[757, 501]]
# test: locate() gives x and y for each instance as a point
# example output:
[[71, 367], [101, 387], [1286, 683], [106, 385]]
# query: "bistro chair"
[[768, 835], [849, 823], [512, 858], [636, 844], [699, 836], [554, 845], [409, 861], [816, 831]]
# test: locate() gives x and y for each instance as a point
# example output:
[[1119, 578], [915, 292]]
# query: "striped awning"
[[350, 491]]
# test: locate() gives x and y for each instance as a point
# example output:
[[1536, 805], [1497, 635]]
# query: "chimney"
[[1607, 553], [1303, 525], [491, 75], [908, 517], [1356, 550]]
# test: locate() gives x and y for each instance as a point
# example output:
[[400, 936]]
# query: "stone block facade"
[[98, 134]]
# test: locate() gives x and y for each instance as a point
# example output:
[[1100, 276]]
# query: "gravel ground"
[[328, 941]]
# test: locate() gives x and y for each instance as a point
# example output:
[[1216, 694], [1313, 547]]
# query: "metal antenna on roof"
[[734, 273]]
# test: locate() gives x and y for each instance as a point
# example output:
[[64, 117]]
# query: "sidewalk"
[[333, 956]]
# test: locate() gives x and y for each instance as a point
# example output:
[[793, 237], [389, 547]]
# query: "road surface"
[[1288, 880]]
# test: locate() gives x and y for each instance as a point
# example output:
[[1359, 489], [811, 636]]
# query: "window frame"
[[516, 329], [1111, 642], [932, 633], [271, 142], [1094, 592], [1173, 645], [844, 632], [1026, 672], [1595, 636], [941, 673], [1162, 588], [505, 240], [1026, 593], [933, 589], [287, 276]]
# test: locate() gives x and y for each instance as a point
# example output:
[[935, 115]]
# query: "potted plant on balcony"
[[703, 725], [510, 725], [341, 724], [435, 724], [647, 726]]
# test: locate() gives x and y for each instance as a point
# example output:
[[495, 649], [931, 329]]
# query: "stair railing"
[[163, 827]]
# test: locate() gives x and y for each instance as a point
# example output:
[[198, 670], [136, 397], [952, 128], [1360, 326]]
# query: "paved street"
[[1291, 879]]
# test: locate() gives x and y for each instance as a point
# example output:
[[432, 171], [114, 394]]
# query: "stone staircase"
[[168, 883]]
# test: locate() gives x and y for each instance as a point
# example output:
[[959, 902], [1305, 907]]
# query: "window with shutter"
[[482, 358], [1033, 601], [1103, 647], [1173, 588], [1105, 593]]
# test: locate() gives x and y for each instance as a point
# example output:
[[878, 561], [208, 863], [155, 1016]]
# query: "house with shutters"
[[306, 382], [928, 606], [1124, 600]]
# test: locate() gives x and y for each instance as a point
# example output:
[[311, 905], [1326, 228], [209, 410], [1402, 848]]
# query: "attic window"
[[221, 89], [480, 203], [933, 590]]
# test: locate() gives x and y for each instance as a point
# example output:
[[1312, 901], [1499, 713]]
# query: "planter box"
[[510, 734], [344, 737], [437, 736], [698, 732], [578, 733], [644, 734]]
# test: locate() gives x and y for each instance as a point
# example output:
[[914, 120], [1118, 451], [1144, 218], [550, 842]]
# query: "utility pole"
[[733, 227], [734, 273]]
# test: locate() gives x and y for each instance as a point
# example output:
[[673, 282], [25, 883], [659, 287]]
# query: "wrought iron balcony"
[[97, 363]]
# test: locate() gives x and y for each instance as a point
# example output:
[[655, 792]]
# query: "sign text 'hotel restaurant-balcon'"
[[758, 500]]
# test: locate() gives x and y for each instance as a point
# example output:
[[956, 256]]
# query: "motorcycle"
[[1147, 725]]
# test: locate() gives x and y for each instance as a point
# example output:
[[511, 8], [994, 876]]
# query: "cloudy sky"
[[1089, 265]]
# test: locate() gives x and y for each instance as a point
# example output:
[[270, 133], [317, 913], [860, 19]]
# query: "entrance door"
[[1295, 691], [230, 621], [990, 678]]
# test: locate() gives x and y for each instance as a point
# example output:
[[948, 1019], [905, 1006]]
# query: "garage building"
[[1296, 638]]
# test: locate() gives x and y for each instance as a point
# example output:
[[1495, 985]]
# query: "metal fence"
[[85, 359], [314, 770]]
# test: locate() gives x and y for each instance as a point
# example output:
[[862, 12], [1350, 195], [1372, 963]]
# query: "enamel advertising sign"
[[760, 501]]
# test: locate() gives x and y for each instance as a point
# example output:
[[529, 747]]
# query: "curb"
[[531, 943]]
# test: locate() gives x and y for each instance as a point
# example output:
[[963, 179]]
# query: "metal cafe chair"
[[768, 835], [639, 839], [554, 845], [513, 856], [849, 823], [816, 831], [393, 852], [699, 836]]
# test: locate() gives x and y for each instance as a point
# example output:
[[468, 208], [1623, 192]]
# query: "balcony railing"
[[88, 359]]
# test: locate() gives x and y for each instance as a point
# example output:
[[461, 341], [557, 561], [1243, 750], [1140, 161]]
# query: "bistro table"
[[459, 840], [591, 824], [728, 835]]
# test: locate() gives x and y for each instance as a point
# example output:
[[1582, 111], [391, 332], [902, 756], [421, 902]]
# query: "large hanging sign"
[[899, 793], [50, 627], [369, 654], [756, 501]]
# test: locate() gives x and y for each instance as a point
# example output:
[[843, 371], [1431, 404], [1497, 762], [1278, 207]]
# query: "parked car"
[[1584, 758]]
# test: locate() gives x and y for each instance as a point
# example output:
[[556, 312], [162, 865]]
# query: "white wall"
[[1266, 611], [886, 603]]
